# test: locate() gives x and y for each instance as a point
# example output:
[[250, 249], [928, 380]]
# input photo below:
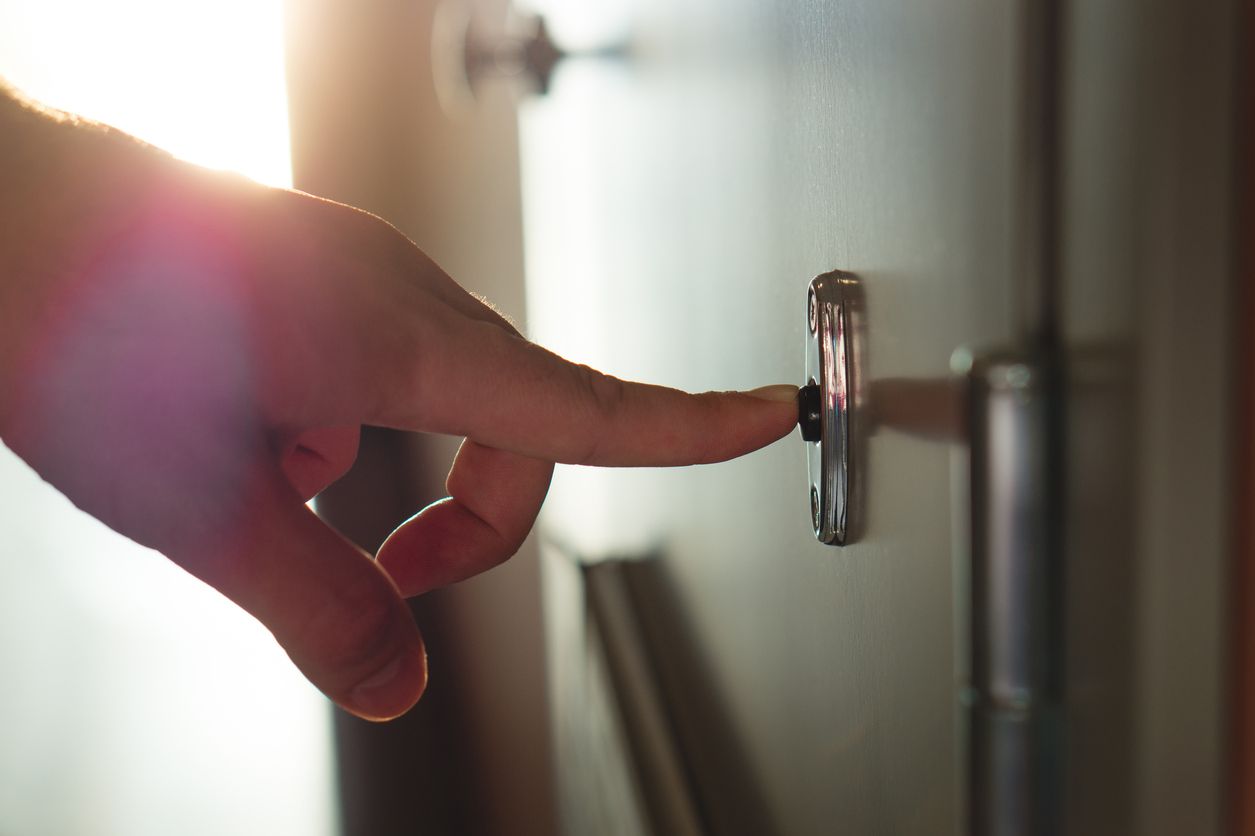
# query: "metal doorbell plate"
[[827, 404]]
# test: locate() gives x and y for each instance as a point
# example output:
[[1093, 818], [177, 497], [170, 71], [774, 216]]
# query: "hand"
[[189, 358]]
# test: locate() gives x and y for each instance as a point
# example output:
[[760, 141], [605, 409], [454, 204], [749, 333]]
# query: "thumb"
[[329, 605]]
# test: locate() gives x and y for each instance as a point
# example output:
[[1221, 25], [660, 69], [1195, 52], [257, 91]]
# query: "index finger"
[[492, 386]]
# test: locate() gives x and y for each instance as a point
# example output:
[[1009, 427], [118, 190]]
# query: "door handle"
[[1013, 693], [1013, 641]]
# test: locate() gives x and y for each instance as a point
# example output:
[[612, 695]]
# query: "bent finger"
[[494, 498], [336, 613]]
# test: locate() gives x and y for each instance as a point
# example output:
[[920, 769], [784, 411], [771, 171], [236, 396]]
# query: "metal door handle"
[[1012, 696]]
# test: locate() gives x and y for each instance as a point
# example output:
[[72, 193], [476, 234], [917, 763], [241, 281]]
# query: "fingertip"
[[442, 545], [392, 674], [495, 497], [753, 420], [341, 619], [372, 665], [779, 406], [392, 690]]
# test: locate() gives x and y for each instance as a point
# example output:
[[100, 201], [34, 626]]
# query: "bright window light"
[[137, 701], [204, 81]]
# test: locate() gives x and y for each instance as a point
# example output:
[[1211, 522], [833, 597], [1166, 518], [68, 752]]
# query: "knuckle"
[[605, 396], [491, 314], [510, 536], [607, 392]]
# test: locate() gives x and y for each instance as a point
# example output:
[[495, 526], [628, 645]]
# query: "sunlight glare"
[[139, 701], [203, 81]]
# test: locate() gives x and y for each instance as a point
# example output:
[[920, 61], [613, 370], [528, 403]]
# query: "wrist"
[[63, 182]]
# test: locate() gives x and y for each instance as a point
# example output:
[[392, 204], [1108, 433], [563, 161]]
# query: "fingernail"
[[374, 696], [780, 393]]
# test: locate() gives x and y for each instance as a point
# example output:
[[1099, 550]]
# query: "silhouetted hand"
[[188, 356]]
